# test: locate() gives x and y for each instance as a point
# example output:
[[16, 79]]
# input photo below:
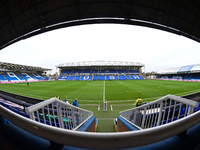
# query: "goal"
[[177, 77]]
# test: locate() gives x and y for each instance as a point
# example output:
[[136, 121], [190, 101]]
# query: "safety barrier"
[[59, 114], [162, 111], [108, 140]]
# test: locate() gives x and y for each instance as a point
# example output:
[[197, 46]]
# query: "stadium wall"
[[21, 81], [123, 125], [89, 126], [179, 80]]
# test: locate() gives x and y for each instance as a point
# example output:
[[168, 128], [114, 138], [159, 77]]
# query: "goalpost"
[[177, 77], [164, 77]]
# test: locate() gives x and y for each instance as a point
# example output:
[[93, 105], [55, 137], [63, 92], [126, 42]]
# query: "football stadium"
[[98, 104]]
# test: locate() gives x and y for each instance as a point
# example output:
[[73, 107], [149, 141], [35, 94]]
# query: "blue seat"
[[25, 115], [48, 123], [42, 121], [6, 105], [181, 116], [169, 120], [163, 122], [196, 109], [53, 124], [68, 127], [182, 111]]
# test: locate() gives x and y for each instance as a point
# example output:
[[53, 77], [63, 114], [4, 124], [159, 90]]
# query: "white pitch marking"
[[104, 88], [111, 108]]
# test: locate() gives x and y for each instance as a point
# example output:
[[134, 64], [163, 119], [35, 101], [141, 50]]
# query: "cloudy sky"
[[156, 49]]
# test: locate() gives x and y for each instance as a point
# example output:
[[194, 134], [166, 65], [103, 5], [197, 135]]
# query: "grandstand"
[[21, 73], [189, 72], [101, 70]]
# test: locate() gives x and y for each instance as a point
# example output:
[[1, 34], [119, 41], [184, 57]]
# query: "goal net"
[[164, 77], [177, 77]]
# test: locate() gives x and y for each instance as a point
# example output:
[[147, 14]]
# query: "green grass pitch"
[[120, 95], [94, 92]]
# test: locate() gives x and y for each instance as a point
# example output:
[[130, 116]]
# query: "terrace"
[[141, 120]]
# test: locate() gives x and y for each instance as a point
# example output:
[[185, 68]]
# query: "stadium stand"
[[26, 76], [37, 76], [87, 71], [133, 71], [11, 76], [86, 78], [139, 77], [73, 78], [19, 77], [122, 71], [32, 76], [175, 139], [112, 78], [128, 77], [62, 77], [111, 71], [133, 77], [50, 120], [195, 76], [77, 71], [46, 78], [2, 78], [67, 71], [124, 77], [190, 72], [12, 73], [99, 78], [101, 70]]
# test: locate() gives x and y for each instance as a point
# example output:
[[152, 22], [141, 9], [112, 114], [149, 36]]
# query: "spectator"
[[75, 102]]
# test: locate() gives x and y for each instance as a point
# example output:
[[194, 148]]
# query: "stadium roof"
[[100, 63], [21, 67], [189, 68], [169, 70], [20, 19], [196, 68]]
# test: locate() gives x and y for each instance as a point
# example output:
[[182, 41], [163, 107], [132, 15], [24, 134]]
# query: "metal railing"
[[60, 114], [91, 140], [162, 111]]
